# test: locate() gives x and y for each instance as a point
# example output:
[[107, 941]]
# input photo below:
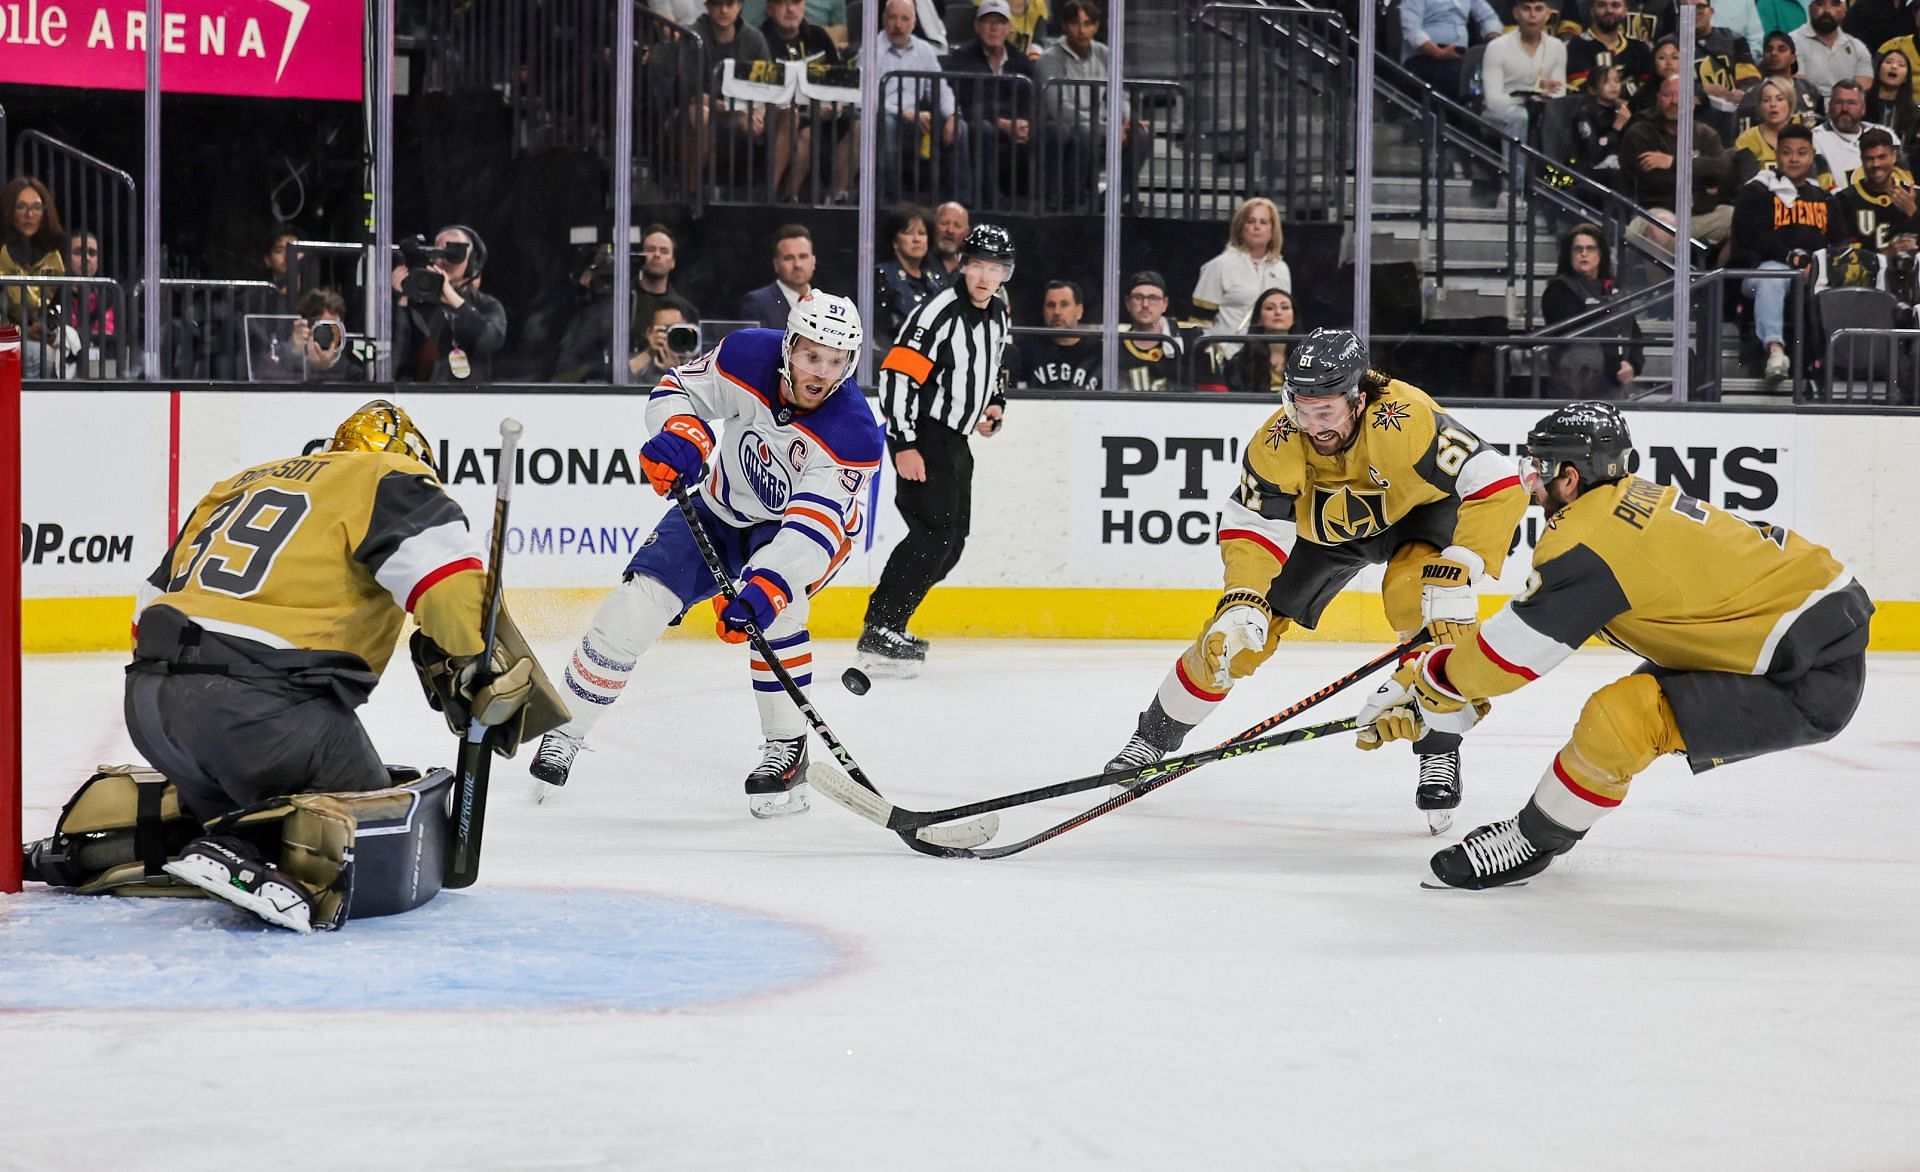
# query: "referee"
[[941, 380]]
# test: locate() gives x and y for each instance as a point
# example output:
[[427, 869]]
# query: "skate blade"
[[780, 805], [881, 668], [541, 791], [1439, 821], [1436, 885], [215, 880]]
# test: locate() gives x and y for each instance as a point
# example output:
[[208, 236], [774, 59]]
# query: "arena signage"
[[249, 48]]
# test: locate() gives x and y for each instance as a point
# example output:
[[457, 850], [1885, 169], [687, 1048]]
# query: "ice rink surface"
[[1239, 971]]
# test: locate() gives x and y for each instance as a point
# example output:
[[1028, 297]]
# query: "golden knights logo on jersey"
[[1347, 514]]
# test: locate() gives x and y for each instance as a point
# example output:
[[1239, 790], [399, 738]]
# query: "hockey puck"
[[855, 681]]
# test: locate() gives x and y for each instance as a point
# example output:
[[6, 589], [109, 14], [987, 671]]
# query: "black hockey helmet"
[[1327, 364], [989, 242], [1590, 436]]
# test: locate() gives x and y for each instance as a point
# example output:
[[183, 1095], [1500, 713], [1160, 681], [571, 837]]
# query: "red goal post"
[[10, 612]]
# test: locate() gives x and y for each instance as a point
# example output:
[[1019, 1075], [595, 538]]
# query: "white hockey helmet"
[[829, 320]]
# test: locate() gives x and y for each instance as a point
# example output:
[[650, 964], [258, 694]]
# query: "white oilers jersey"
[[806, 470]]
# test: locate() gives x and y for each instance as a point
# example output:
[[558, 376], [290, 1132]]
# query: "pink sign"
[[254, 48]]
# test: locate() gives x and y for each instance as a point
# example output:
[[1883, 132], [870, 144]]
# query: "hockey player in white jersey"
[[781, 500]]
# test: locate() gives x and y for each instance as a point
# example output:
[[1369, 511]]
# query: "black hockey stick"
[[947, 841], [1144, 779], [475, 758]]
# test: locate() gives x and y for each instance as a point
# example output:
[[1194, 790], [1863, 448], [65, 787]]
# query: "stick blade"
[[964, 835], [834, 783]]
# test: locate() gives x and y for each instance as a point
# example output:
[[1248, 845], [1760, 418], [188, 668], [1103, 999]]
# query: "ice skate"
[[231, 870], [1494, 855], [883, 651], [553, 762], [1438, 792], [1138, 751], [778, 785]]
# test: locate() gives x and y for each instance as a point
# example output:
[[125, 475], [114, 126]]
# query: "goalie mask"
[[382, 426]]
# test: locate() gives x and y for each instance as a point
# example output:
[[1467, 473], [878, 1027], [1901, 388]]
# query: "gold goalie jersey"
[[327, 553], [1408, 453], [1670, 578]]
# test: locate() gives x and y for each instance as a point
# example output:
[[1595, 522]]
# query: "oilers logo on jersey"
[[763, 474]]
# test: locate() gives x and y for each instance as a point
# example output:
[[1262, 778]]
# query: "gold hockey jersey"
[[327, 553], [1670, 578], [1409, 453]]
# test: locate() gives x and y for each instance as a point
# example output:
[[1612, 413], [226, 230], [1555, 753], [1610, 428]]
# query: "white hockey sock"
[[628, 621], [1563, 799], [780, 717], [1182, 701]]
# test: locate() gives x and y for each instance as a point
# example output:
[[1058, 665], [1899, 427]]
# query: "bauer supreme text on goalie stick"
[[476, 759], [936, 840], [1150, 777]]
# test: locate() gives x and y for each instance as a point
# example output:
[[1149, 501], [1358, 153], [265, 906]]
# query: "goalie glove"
[[1417, 700], [1449, 605], [501, 697], [1240, 624]]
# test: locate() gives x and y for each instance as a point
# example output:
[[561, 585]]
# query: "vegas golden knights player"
[[1355, 469], [1754, 641], [269, 620]]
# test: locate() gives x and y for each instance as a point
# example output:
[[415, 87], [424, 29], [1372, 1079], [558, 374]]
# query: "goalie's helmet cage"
[[1591, 436]]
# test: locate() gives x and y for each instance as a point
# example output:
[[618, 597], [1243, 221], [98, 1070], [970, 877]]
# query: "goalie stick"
[[1144, 779], [475, 764], [946, 841]]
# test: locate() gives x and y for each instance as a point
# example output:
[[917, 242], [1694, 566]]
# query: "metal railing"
[[91, 194], [1071, 131], [1271, 109], [550, 62], [204, 329], [71, 327], [1892, 382]]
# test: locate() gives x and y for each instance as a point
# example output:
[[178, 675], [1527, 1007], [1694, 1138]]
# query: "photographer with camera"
[[320, 338], [670, 341], [449, 331]]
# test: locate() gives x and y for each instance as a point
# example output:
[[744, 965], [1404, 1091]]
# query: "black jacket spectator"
[[1654, 188], [984, 101], [1773, 218], [1596, 139], [1590, 369], [425, 338]]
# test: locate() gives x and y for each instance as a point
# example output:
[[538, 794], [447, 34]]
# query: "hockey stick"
[[934, 840], [1144, 779], [476, 759]]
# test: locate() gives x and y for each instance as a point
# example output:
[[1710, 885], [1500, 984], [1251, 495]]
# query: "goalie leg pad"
[[115, 834]]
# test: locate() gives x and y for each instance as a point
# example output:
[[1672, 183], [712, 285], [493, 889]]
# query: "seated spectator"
[[455, 336], [793, 40], [1780, 220], [1666, 63], [1603, 114], [276, 259], [1879, 208], [1780, 59], [1722, 58], [1827, 53], [707, 119], [918, 112], [1258, 368], [951, 223], [1584, 282], [998, 115], [1524, 61], [648, 366], [33, 245], [1062, 362], [904, 281], [1837, 140], [1876, 22], [1646, 151], [1649, 20], [769, 305], [1754, 148], [659, 256], [1890, 102], [1909, 47], [1031, 26], [585, 350], [1435, 38], [1149, 363], [96, 309], [1076, 149], [1251, 262], [1604, 43], [320, 339]]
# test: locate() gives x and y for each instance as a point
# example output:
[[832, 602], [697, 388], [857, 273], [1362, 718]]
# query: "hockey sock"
[[1622, 728], [1183, 698], [627, 623], [780, 717]]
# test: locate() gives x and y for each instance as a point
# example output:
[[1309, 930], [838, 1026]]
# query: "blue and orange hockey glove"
[[681, 449], [759, 602]]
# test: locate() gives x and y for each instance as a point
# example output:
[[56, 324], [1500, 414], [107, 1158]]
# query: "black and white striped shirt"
[[945, 366]]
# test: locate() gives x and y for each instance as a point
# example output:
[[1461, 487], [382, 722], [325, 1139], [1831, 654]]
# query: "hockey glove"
[[681, 449], [1449, 608], [1417, 700], [500, 698], [1239, 625], [759, 602]]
